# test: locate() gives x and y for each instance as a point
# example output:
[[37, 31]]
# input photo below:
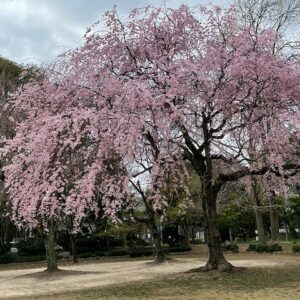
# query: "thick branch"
[[141, 172], [141, 219], [223, 178]]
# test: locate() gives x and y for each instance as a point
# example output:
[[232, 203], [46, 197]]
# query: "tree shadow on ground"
[[169, 260], [58, 275]]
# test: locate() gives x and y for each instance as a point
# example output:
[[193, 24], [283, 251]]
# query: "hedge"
[[231, 247], [264, 248], [296, 249], [180, 249], [31, 248], [8, 257]]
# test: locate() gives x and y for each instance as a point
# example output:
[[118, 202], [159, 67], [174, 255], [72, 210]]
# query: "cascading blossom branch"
[[60, 159]]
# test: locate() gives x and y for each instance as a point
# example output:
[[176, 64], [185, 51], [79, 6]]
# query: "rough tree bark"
[[260, 226], [160, 255], [258, 213], [274, 219], [209, 191], [186, 231], [74, 248], [107, 242], [230, 236], [50, 249], [216, 259], [9, 231], [124, 237], [286, 229], [192, 234]]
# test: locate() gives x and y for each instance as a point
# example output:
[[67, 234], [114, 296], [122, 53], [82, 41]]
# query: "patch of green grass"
[[268, 283], [271, 282]]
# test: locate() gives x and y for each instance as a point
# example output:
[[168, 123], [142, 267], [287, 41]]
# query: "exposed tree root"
[[221, 267]]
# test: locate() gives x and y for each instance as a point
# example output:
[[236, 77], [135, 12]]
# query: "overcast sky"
[[36, 31]]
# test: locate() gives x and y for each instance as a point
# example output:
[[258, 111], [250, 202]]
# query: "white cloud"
[[38, 30]]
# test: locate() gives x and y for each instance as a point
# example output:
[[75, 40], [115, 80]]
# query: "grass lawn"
[[267, 282], [252, 283]]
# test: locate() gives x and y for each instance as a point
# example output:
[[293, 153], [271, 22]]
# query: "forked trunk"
[[216, 260], [50, 250]]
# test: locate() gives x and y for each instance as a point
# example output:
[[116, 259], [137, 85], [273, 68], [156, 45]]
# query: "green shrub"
[[231, 247], [260, 248], [180, 249], [264, 248], [31, 247], [86, 255], [100, 253], [83, 250], [7, 258], [273, 248], [100, 242], [252, 247], [34, 258], [143, 243], [120, 252], [139, 252], [116, 242], [90, 244], [198, 241], [296, 248]]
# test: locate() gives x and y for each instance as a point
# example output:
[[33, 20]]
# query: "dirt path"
[[29, 282]]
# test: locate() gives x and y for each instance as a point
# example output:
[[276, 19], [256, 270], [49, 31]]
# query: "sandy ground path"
[[30, 282]]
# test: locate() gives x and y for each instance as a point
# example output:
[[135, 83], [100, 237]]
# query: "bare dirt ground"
[[33, 282]]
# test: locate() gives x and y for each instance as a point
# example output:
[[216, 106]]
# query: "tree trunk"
[[292, 231], [107, 243], [50, 250], [274, 220], [9, 232], [286, 230], [159, 252], [230, 236], [186, 230], [258, 214], [274, 224], [260, 226], [216, 260], [124, 236], [193, 237], [74, 248]]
